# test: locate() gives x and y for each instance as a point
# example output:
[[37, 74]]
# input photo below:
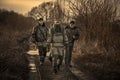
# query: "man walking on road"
[[40, 33], [72, 32], [58, 39]]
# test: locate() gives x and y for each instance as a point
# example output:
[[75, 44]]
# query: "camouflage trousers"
[[42, 51], [68, 54], [57, 54]]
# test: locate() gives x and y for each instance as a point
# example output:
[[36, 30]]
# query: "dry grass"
[[14, 43], [99, 43]]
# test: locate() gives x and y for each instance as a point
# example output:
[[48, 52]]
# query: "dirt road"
[[45, 72]]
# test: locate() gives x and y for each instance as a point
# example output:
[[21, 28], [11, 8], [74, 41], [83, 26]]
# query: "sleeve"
[[77, 34], [33, 32], [47, 29], [49, 40], [65, 35]]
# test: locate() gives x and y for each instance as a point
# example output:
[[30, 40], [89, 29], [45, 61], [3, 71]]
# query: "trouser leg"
[[55, 59], [42, 53], [58, 57], [60, 60], [68, 54]]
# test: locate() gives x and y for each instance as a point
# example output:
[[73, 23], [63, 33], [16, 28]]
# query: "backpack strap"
[[63, 34], [52, 34]]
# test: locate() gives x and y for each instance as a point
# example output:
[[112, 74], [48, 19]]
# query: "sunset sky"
[[20, 6]]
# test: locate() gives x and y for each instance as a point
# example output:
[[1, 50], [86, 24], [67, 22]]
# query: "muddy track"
[[34, 68], [45, 72]]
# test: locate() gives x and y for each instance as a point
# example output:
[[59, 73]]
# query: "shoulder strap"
[[42, 33], [52, 34], [63, 34]]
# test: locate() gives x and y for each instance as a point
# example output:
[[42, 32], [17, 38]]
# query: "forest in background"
[[99, 43]]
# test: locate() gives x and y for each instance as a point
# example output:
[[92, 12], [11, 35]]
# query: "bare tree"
[[48, 10], [95, 18], [41, 11]]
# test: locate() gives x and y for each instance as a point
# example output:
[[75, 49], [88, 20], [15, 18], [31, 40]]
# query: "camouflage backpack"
[[57, 33]]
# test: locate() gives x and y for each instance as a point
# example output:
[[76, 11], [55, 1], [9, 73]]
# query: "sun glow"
[[20, 6]]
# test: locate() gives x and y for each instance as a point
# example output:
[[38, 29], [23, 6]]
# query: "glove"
[[75, 37], [34, 41]]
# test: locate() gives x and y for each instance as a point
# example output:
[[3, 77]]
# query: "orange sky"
[[20, 6]]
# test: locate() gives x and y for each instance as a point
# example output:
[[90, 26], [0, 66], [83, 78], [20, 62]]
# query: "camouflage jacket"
[[57, 39], [72, 33], [40, 33]]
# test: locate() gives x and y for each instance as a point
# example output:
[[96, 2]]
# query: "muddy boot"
[[41, 63], [60, 62], [41, 60], [58, 67], [70, 66], [55, 69], [50, 58]]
